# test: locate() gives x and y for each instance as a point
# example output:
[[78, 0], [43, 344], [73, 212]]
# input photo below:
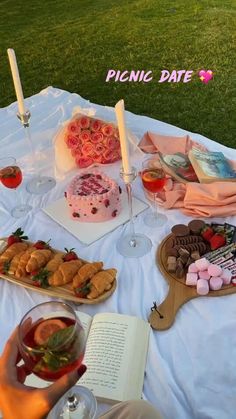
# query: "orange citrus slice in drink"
[[7, 171], [46, 328], [152, 175]]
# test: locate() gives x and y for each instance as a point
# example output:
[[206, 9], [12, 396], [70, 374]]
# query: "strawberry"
[[5, 267], [70, 255], [40, 278], [207, 233], [218, 240], [40, 244], [82, 291], [16, 237]]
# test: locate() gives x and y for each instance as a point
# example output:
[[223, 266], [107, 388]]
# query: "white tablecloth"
[[191, 368]]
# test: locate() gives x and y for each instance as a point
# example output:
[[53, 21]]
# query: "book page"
[[115, 356]]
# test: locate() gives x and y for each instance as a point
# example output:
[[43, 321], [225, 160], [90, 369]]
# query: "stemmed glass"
[[38, 184], [52, 343], [154, 179], [11, 177], [132, 245]]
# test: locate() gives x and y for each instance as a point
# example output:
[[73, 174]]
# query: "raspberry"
[[76, 214], [114, 214], [104, 191], [86, 176], [99, 177], [106, 203], [94, 210], [65, 194], [120, 190]]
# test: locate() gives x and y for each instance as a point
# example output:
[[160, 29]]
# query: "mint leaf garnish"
[[60, 337]]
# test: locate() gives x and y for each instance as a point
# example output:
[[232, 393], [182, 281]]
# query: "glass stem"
[[131, 221], [32, 150], [72, 401], [155, 206], [18, 198]]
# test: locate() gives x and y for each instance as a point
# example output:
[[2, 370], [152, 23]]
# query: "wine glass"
[[52, 343], [11, 177], [132, 245], [154, 179]]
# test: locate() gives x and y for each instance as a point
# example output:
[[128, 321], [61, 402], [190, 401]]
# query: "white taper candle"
[[16, 80], [120, 116]]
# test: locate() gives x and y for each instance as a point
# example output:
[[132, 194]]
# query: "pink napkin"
[[151, 143], [216, 199]]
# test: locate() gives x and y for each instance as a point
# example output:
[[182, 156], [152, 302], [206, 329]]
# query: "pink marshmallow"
[[226, 276], [202, 287], [193, 268], [216, 283], [202, 264], [214, 270], [204, 275], [191, 279]]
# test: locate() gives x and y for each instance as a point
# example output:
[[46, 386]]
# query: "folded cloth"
[[151, 143], [217, 199]]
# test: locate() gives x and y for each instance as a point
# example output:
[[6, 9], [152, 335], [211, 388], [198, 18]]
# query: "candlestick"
[[120, 115], [16, 80], [132, 245]]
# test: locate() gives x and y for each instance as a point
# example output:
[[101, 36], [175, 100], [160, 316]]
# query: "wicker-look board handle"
[[163, 316]]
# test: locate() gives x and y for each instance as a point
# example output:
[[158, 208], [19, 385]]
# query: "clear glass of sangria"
[[11, 177], [52, 343], [154, 180]]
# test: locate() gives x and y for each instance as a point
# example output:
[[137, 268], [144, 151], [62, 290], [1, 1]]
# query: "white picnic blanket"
[[191, 367]]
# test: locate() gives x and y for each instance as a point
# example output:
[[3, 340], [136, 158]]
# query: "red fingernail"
[[81, 370]]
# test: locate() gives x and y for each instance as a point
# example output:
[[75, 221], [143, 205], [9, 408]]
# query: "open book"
[[115, 356]]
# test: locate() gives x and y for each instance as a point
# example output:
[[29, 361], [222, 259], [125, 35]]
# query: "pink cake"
[[93, 197]]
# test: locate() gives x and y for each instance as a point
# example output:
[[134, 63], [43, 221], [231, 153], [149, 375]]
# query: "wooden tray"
[[64, 291], [178, 294]]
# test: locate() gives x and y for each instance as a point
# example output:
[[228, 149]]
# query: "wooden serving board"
[[65, 291], [178, 294]]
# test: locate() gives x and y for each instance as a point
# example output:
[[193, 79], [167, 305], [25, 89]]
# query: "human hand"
[[18, 401]]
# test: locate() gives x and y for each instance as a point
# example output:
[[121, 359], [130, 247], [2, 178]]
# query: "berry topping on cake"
[[86, 176], [106, 203], [120, 190], [93, 197]]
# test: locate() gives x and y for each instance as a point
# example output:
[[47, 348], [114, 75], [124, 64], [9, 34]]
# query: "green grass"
[[71, 44]]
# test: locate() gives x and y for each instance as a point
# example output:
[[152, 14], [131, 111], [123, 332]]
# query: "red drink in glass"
[[153, 179], [11, 176], [53, 347]]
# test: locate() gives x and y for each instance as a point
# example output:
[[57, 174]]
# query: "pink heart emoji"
[[205, 76]]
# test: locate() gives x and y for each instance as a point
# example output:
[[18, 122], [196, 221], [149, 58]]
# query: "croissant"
[[11, 251], [21, 271], [14, 263], [38, 259], [86, 272], [101, 282], [65, 273], [54, 263]]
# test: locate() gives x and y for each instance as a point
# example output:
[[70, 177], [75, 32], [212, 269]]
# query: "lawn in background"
[[71, 44]]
